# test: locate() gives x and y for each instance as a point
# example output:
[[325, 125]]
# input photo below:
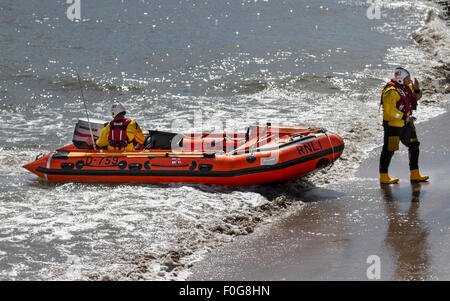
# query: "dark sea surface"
[[206, 65]]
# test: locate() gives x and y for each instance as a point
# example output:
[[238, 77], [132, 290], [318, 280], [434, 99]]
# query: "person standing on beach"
[[399, 98]]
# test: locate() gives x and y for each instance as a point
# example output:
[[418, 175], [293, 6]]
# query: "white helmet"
[[117, 108], [400, 74]]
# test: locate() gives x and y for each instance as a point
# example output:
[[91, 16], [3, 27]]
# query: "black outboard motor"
[[82, 135]]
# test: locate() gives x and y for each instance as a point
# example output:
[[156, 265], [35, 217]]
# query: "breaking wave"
[[159, 231]]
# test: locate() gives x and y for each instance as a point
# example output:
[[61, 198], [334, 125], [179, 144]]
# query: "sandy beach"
[[332, 236], [220, 67]]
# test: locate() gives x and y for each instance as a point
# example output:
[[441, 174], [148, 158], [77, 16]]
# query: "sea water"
[[229, 64]]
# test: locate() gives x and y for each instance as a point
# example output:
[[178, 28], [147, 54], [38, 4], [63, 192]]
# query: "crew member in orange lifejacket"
[[121, 133], [399, 98]]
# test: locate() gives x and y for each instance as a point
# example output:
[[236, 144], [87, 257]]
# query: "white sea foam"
[[99, 231]]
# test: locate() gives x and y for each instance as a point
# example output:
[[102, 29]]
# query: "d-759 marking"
[[102, 161]]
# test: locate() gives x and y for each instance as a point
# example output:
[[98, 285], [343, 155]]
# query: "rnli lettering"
[[101, 161], [310, 147]]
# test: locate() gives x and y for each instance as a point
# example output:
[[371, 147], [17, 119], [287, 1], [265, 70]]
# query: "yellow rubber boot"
[[386, 179], [417, 177]]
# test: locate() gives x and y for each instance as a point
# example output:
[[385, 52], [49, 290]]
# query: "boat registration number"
[[102, 161]]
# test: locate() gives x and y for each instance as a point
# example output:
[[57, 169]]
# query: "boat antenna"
[[85, 108]]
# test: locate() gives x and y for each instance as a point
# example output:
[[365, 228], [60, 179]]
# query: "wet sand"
[[331, 237]]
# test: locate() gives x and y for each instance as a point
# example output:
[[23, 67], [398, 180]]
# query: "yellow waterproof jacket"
[[134, 132], [391, 114]]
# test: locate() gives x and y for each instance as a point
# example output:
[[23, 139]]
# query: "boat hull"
[[248, 167]]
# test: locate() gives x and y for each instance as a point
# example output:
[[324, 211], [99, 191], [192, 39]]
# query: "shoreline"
[[333, 234], [74, 231]]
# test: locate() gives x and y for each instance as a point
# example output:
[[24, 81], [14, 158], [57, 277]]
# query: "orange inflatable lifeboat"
[[260, 155]]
